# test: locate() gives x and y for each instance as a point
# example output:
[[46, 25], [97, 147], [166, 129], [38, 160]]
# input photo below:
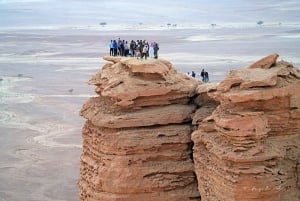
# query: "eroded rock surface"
[[248, 148], [137, 137]]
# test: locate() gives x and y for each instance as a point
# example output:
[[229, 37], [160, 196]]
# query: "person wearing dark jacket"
[[155, 48], [193, 74], [203, 74]]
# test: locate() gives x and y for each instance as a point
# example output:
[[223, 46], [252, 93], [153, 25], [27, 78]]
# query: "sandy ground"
[[43, 78]]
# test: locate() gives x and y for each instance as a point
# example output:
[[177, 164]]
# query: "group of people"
[[139, 49], [203, 74], [142, 49]]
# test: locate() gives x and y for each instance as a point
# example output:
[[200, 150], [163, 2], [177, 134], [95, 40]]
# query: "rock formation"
[[137, 137], [248, 148]]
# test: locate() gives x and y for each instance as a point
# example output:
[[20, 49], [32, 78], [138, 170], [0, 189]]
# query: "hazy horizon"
[[23, 13]]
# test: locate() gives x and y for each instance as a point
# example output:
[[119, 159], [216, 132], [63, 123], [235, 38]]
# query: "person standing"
[[111, 48], [155, 48], [119, 46], [122, 48], [132, 48], [145, 51], [126, 49], [138, 52], [115, 47], [203, 75], [151, 50]]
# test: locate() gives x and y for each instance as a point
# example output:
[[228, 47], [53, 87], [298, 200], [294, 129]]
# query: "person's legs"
[[206, 79], [122, 52]]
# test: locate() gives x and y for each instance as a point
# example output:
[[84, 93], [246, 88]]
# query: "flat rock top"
[[127, 79], [158, 66]]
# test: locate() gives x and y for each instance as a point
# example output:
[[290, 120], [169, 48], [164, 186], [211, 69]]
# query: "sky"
[[92, 12]]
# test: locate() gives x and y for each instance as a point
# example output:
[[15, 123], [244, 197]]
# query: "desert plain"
[[43, 85]]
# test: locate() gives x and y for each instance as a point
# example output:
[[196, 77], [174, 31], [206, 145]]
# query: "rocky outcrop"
[[248, 147], [137, 137]]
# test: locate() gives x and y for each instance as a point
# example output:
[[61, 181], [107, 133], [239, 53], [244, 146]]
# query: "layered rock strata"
[[136, 140], [249, 147]]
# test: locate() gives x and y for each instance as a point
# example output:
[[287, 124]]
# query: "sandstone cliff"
[[248, 147], [137, 137]]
